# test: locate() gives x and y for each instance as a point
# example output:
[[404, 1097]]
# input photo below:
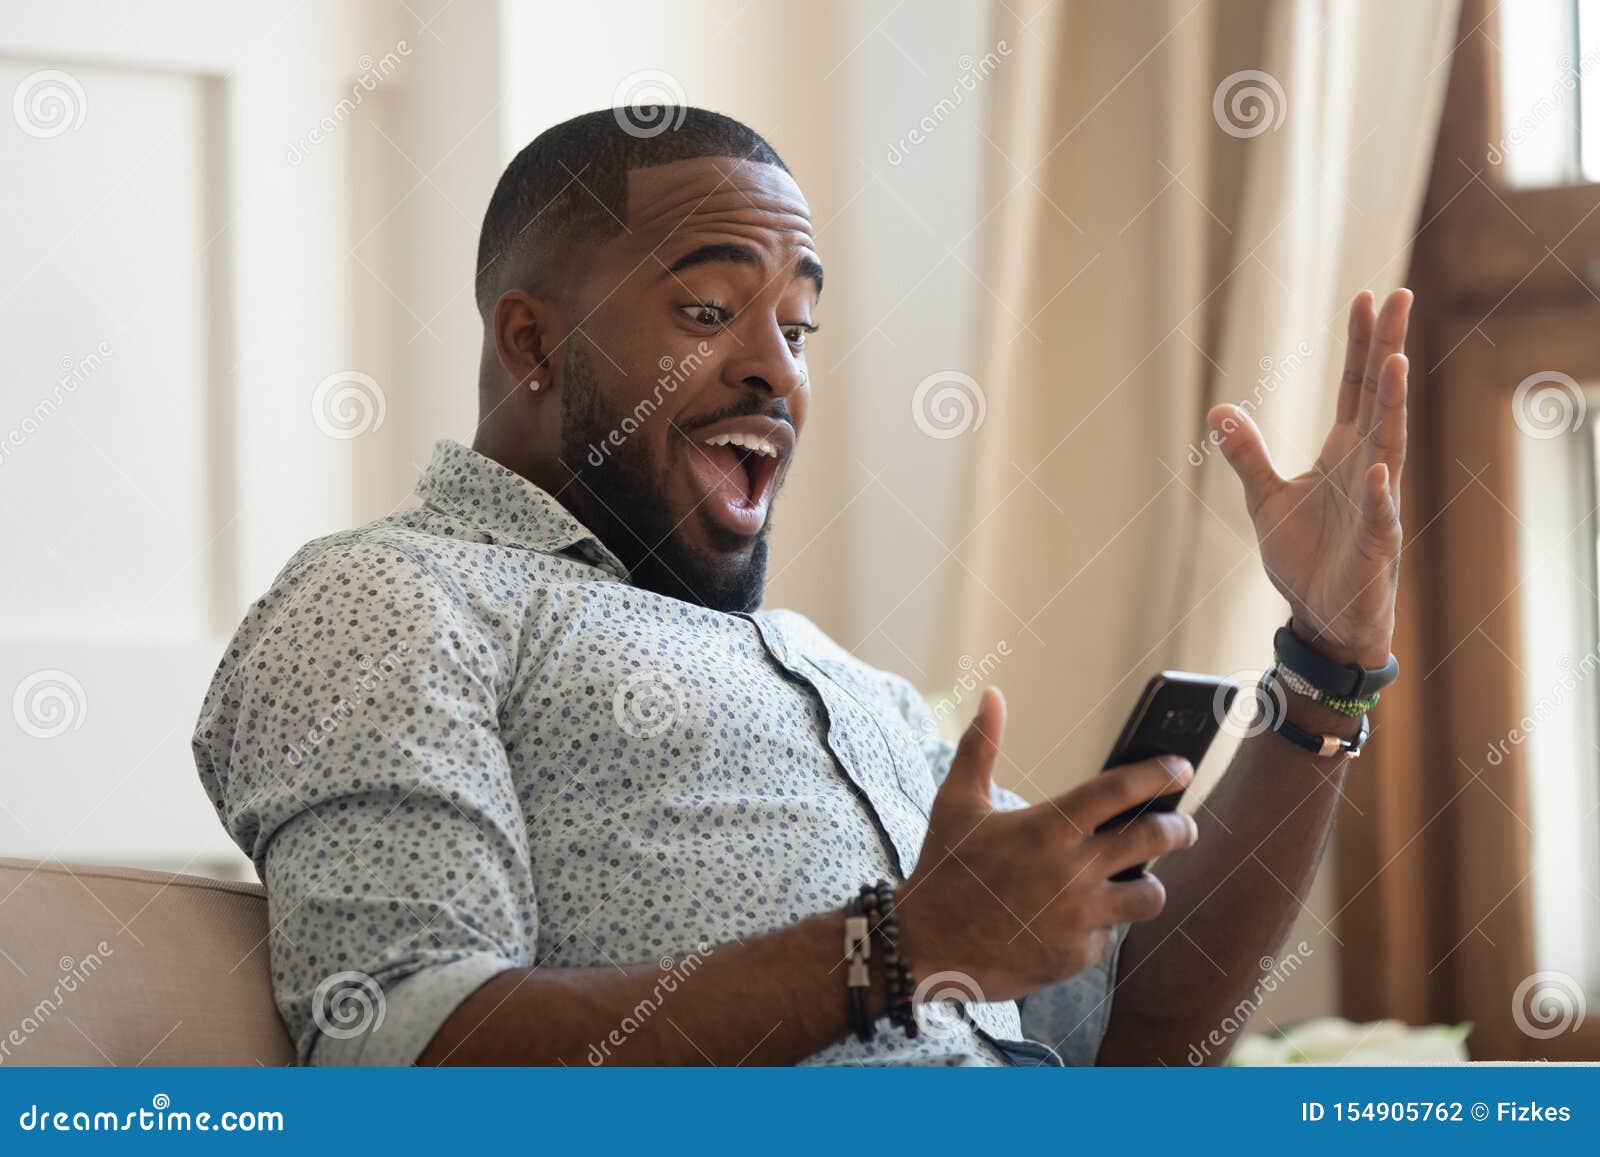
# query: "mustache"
[[753, 407]]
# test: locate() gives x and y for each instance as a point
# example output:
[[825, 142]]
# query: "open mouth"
[[736, 471]]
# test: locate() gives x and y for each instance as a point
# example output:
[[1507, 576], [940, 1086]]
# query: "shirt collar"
[[477, 490]]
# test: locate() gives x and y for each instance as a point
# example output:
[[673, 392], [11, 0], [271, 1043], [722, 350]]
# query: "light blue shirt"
[[456, 741]]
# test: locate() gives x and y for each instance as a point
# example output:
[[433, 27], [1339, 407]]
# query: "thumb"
[[971, 780], [1246, 451]]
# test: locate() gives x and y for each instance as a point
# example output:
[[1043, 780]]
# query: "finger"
[[1388, 337], [1246, 451], [1363, 317], [1378, 511], [970, 782], [1113, 792], [1389, 431], [1132, 901], [1147, 838]]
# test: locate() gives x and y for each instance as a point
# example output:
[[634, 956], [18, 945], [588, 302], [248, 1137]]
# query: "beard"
[[620, 501]]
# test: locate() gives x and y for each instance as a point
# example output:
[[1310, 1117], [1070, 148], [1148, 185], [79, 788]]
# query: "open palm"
[[1330, 538]]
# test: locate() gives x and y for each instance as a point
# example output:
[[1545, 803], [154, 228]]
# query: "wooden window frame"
[[1434, 871]]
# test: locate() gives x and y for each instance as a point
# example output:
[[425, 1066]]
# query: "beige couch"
[[116, 966]]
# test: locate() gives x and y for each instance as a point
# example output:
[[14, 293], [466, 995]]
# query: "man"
[[530, 780]]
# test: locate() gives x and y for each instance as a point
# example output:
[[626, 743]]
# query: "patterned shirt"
[[457, 740]]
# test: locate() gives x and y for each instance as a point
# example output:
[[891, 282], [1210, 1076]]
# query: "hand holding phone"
[[1178, 714]]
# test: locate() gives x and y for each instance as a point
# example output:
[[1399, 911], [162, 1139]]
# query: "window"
[[1549, 65], [1559, 547]]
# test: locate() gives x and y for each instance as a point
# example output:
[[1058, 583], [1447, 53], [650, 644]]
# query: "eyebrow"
[[742, 255]]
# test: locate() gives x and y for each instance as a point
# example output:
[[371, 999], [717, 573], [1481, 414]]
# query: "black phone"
[[1178, 714]]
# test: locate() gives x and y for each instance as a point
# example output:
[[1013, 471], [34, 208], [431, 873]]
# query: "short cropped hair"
[[568, 187]]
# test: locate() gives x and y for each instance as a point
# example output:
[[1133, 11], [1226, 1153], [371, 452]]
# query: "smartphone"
[[1178, 714]]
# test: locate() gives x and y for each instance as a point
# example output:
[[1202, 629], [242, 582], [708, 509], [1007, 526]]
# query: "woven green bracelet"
[[1300, 686]]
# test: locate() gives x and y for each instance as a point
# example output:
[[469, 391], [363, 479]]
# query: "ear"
[[522, 326]]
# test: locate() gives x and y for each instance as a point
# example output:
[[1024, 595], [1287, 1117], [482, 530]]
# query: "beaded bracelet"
[[1302, 686], [900, 982]]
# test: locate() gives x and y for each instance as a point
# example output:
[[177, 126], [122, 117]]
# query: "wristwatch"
[[1340, 680]]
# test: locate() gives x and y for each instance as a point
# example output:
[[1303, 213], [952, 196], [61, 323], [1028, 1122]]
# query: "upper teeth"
[[748, 441]]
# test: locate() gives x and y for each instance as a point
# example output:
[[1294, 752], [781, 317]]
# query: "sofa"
[[119, 966]]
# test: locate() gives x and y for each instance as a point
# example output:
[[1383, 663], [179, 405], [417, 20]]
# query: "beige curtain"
[[1189, 196]]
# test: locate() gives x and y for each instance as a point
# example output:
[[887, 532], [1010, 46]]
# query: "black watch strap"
[[1340, 680], [1278, 720]]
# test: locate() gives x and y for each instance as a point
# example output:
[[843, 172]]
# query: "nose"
[[766, 364]]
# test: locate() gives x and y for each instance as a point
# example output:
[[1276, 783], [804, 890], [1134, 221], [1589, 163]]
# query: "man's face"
[[686, 390]]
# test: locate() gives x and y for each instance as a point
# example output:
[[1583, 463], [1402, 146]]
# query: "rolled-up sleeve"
[[353, 753], [1071, 1017]]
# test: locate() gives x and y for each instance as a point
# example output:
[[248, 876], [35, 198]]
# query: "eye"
[[707, 314], [795, 334]]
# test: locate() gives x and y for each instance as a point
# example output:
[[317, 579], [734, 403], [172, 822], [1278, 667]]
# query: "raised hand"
[[1330, 537]]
